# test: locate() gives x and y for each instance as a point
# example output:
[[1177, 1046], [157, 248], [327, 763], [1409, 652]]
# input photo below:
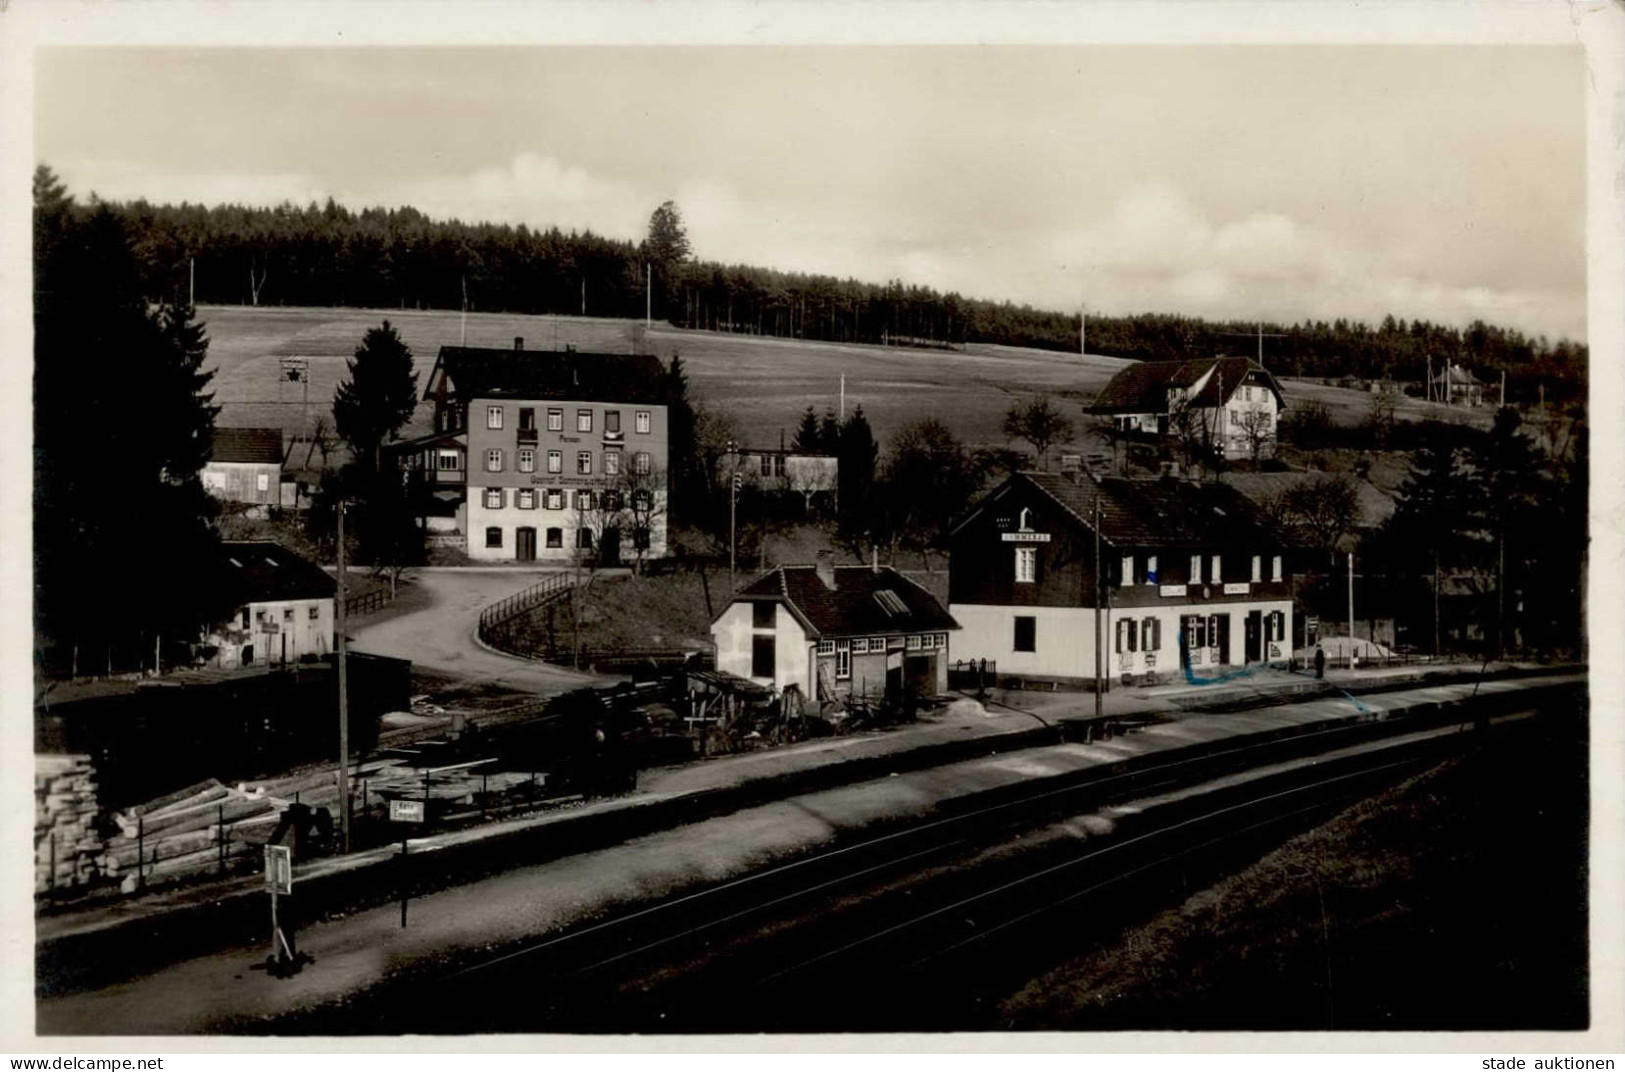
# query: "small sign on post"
[[406, 811], [278, 869]]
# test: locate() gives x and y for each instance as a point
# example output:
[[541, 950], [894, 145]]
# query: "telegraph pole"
[[1099, 698], [1351, 610], [344, 702], [733, 498]]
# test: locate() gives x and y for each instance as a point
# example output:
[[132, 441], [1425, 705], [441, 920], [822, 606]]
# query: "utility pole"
[[344, 702], [1099, 697], [191, 282], [1351, 610], [733, 498]]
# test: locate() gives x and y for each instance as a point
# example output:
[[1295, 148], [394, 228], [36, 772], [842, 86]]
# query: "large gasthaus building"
[[560, 454], [1194, 580]]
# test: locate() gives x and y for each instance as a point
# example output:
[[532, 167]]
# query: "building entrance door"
[[1255, 636], [525, 538], [609, 547]]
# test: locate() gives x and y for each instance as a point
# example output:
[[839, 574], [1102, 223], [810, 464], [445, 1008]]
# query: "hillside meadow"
[[763, 382]]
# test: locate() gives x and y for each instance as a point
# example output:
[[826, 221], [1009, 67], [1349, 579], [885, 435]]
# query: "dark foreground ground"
[[1454, 901]]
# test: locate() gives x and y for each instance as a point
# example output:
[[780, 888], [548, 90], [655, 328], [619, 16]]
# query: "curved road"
[[440, 636]]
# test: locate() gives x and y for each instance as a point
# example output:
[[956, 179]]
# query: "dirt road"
[[440, 636]]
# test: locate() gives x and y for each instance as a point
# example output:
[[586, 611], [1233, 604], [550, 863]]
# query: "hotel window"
[[315, 613], [843, 659], [1258, 568], [612, 463], [527, 461], [287, 614], [583, 420], [1275, 568], [612, 421], [527, 419], [643, 422], [448, 460], [526, 499], [584, 462], [609, 501], [1126, 578], [826, 647], [1151, 634], [1151, 570], [915, 643], [640, 463], [860, 646], [1026, 564], [642, 500], [555, 420], [1127, 635], [1217, 573], [767, 465], [263, 481], [584, 539], [1196, 569], [493, 498], [493, 537], [762, 614], [1026, 638], [493, 460], [555, 461], [493, 417], [584, 501], [555, 499], [555, 537], [877, 643]]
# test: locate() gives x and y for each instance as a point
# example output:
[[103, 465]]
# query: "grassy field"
[[1449, 902], [764, 382]]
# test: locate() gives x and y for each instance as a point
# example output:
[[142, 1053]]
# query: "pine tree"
[[378, 398], [809, 435]]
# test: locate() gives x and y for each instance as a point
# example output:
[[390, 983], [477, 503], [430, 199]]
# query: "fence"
[[365, 602], [496, 626], [973, 674]]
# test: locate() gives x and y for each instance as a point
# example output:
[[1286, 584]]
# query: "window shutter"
[[1156, 634], [1133, 634]]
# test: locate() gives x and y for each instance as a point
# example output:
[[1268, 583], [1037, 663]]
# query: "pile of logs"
[[196, 830], [67, 841]]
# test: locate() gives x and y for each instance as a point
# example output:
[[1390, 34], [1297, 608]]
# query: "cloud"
[[1155, 249]]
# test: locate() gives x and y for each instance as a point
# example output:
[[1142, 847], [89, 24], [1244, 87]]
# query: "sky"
[[1278, 182]]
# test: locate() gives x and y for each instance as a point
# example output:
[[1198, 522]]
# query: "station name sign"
[[1239, 589], [1024, 537]]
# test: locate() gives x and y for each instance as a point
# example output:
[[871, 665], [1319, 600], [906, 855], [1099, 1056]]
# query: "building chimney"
[[823, 562], [518, 342]]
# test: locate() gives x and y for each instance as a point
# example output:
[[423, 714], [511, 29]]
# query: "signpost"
[[406, 811], [279, 880]]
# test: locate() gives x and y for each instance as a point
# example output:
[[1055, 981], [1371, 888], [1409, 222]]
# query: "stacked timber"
[[67, 819], [192, 831]]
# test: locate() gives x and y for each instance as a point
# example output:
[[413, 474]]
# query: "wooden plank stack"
[[67, 838]]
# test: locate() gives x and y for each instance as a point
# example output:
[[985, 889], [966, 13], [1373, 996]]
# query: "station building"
[[1194, 580]]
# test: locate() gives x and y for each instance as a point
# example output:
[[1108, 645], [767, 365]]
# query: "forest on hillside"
[[330, 255]]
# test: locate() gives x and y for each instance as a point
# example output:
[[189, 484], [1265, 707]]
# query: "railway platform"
[[826, 787]]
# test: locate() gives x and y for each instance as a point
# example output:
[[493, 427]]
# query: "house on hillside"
[[809, 476], [1230, 405], [539, 455], [832, 633], [245, 466], [1457, 386], [284, 606], [1192, 578]]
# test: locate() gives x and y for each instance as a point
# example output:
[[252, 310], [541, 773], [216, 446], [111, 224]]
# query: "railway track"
[[920, 927]]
